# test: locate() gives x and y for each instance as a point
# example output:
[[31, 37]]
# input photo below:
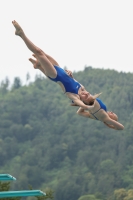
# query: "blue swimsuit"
[[102, 106], [69, 83]]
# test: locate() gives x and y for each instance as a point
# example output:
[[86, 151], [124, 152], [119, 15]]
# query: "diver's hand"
[[69, 73]]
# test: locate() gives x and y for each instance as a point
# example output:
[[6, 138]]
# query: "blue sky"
[[76, 33]]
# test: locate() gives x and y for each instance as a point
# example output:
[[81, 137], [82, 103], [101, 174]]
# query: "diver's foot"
[[35, 63], [19, 31]]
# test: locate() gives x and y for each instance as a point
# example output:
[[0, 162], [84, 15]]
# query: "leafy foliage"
[[44, 143]]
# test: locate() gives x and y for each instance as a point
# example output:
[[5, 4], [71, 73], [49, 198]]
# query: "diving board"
[[6, 177], [23, 193]]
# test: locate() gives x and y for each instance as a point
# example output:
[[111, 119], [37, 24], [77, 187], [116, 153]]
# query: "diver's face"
[[113, 115], [86, 97]]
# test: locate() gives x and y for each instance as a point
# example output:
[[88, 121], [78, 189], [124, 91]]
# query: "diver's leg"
[[37, 65], [52, 60], [41, 57]]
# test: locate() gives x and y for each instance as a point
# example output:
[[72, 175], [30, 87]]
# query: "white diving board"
[[6, 177], [23, 193]]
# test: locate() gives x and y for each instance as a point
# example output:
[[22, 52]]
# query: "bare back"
[[98, 112]]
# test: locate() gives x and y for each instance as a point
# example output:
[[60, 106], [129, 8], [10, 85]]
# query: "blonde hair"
[[96, 95], [93, 99]]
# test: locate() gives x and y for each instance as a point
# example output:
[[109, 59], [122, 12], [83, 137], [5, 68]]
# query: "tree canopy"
[[44, 143]]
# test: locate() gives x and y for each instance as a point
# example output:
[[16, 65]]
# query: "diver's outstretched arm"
[[83, 112], [113, 124]]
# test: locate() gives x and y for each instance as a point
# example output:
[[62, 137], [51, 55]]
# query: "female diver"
[[52, 70], [97, 110]]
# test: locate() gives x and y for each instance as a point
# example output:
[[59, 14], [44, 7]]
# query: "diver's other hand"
[[69, 73]]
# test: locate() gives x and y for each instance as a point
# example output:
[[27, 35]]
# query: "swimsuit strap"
[[94, 114], [96, 111]]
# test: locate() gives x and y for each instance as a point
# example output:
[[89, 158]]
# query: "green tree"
[[88, 197], [120, 194], [17, 83]]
